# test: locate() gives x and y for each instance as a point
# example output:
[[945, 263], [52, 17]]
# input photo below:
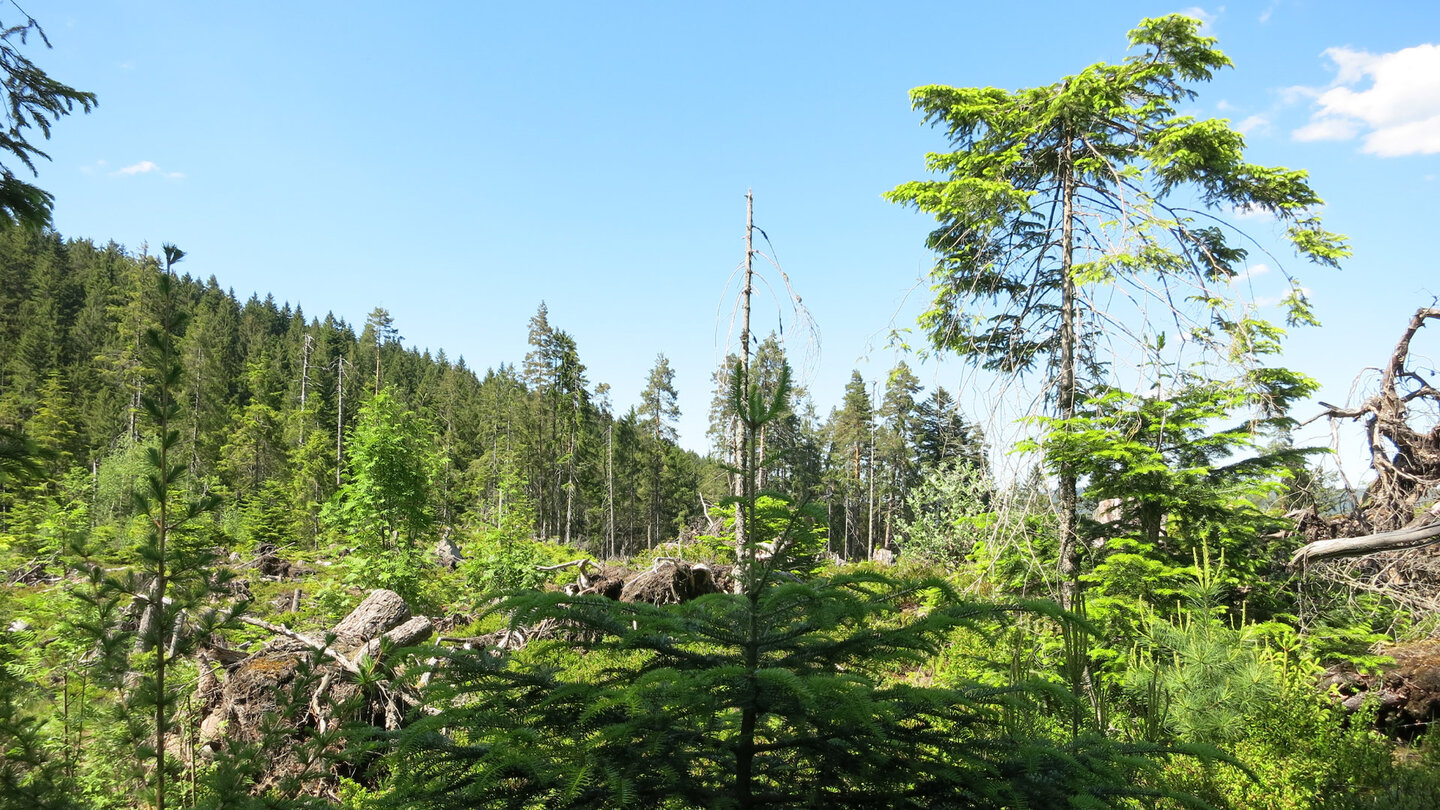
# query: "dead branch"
[[329, 652], [1369, 544], [1406, 461], [583, 562]]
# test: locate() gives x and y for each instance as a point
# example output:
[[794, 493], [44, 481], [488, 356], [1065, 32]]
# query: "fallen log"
[[378, 612], [406, 635], [1413, 537]]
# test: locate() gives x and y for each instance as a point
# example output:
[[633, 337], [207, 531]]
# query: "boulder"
[[448, 554]]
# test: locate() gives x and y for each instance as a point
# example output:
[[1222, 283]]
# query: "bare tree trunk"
[[610, 486], [744, 440], [1410, 537], [1069, 563]]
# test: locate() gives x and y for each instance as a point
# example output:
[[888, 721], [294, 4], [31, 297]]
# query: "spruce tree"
[[782, 695], [171, 585]]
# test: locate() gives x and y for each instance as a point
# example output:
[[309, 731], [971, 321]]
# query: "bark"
[[1069, 552], [1369, 544], [345, 663], [379, 611], [408, 634]]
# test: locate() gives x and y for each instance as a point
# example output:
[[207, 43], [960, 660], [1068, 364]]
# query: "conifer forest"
[[254, 556]]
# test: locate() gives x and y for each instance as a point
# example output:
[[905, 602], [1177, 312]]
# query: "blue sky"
[[458, 163]]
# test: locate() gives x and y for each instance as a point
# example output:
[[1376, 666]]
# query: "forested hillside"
[[271, 396], [253, 558]]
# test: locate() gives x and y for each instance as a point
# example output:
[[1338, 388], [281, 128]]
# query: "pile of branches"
[[668, 580], [285, 704]]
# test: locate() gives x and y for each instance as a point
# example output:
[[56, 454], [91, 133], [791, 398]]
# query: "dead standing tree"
[[1406, 460]]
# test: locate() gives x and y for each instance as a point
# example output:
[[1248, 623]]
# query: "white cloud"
[[145, 167], [1412, 138], [1269, 11], [1295, 95], [1327, 129], [1398, 113], [1257, 124], [139, 168], [1224, 106], [1253, 271], [1206, 18]]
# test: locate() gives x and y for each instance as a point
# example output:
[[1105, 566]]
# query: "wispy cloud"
[[1398, 113], [1254, 124], [1206, 18], [1253, 271], [146, 167]]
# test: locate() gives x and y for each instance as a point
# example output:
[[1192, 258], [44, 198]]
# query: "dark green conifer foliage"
[[33, 101], [851, 469]]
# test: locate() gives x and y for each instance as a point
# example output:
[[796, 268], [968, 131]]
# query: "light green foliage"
[[666, 723], [801, 527], [504, 558], [386, 503], [782, 695], [168, 587], [1113, 132], [1175, 479], [1304, 754], [1001, 539], [1199, 676], [386, 508], [35, 773], [955, 508], [1099, 181]]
